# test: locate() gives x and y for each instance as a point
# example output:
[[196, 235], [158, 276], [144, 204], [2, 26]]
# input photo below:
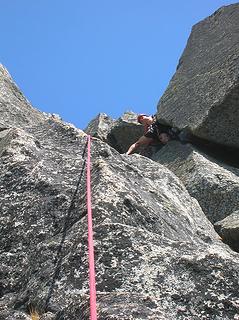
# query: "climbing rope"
[[93, 313], [59, 255]]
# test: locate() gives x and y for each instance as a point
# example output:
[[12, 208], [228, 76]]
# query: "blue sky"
[[78, 58]]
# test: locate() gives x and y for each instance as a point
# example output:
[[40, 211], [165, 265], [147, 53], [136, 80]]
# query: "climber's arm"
[[142, 140]]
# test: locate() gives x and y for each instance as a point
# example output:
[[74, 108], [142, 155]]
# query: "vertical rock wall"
[[203, 94]]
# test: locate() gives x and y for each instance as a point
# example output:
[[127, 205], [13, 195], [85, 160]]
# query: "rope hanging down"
[[59, 255], [93, 313]]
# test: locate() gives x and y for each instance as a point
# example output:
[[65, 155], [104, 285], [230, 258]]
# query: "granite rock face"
[[157, 255], [155, 250], [15, 109], [214, 184], [100, 127], [119, 134], [203, 95], [125, 132]]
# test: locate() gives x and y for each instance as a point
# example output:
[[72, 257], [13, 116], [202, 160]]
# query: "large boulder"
[[213, 183], [203, 95], [157, 255]]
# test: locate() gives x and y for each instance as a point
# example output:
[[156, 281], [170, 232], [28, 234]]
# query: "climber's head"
[[145, 119], [141, 117]]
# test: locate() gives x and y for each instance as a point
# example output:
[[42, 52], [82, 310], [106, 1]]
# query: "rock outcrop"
[[125, 132], [100, 127], [155, 250], [213, 183], [203, 95], [15, 109], [119, 134]]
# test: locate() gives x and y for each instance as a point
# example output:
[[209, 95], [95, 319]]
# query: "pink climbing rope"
[[93, 312]]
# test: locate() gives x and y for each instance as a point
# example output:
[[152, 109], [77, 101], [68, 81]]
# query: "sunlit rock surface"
[[155, 250], [100, 127], [203, 94], [14, 107], [213, 183]]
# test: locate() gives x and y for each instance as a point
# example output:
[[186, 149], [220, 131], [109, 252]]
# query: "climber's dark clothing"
[[156, 128]]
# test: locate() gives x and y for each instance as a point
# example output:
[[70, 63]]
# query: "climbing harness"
[[93, 313]]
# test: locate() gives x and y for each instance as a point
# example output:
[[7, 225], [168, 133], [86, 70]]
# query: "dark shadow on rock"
[[224, 154]]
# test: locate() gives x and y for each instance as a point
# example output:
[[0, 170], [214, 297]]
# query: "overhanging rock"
[[203, 95]]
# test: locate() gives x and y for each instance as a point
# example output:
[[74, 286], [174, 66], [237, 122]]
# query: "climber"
[[154, 131]]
